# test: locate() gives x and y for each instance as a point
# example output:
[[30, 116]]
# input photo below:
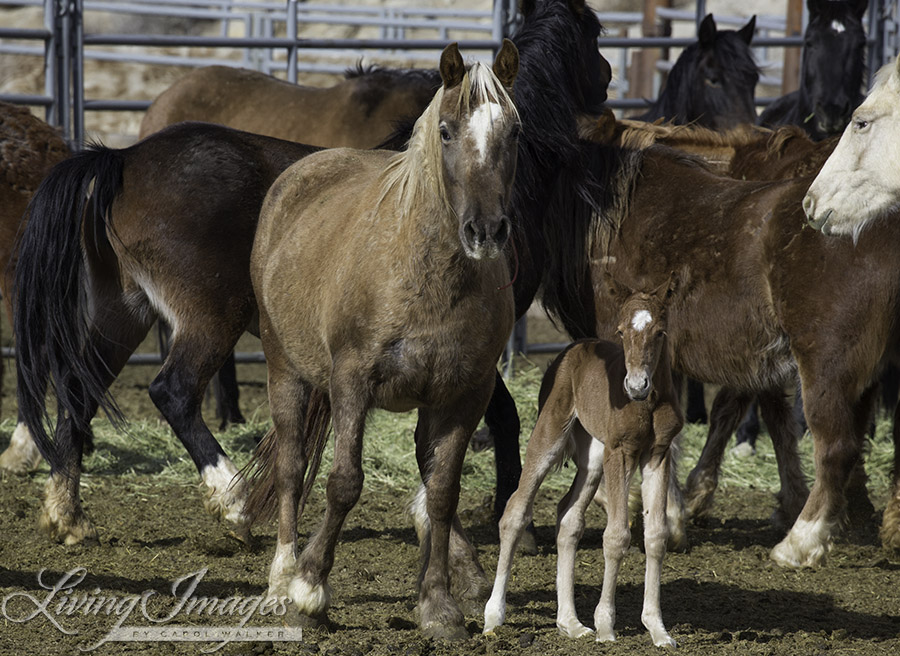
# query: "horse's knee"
[[344, 488]]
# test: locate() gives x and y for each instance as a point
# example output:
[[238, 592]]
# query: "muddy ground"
[[724, 596]]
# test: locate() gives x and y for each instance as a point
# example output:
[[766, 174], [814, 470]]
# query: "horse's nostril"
[[503, 230], [470, 232]]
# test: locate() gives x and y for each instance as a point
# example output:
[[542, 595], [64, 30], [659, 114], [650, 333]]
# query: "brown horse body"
[[763, 299], [153, 230], [612, 409], [28, 149], [360, 112]]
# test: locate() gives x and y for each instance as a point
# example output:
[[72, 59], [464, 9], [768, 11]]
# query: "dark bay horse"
[[753, 278], [831, 77], [712, 82], [115, 239], [359, 112], [28, 149], [612, 407], [381, 283]]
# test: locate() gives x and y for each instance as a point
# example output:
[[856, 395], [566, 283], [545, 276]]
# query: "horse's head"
[[834, 46], [860, 181], [714, 80], [643, 320], [478, 130]]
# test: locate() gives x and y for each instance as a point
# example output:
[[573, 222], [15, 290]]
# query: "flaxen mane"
[[416, 172]]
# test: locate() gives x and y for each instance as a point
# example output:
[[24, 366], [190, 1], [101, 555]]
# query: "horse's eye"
[[445, 134], [713, 82], [860, 124], [620, 334]]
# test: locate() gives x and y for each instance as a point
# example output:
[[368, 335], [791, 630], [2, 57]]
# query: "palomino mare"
[[752, 278], [611, 409], [178, 207], [831, 77], [360, 112], [28, 149], [713, 81], [380, 283]]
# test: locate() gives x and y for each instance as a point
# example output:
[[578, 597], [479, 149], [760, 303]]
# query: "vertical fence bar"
[[77, 60], [63, 67], [51, 112], [292, 35]]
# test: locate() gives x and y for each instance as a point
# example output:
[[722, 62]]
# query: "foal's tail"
[[66, 232], [260, 471]]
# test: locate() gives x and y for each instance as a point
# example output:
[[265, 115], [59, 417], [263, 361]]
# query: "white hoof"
[[309, 599], [493, 617], [22, 455], [574, 629], [226, 493], [806, 545]]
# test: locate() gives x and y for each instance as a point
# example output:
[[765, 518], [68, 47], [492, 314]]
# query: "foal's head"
[[643, 320], [462, 153], [834, 46]]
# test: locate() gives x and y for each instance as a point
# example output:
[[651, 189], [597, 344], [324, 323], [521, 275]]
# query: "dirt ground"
[[724, 596]]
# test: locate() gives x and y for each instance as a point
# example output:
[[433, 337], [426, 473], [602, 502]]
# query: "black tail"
[[66, 229]]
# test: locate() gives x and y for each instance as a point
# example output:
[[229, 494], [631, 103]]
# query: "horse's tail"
[[66, 231], [260, 471]]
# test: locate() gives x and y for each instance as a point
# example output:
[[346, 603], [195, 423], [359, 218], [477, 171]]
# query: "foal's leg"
[[116, 334], [227, 394], [22, 455], [618, 468], [654, 481], [890, 525], [785, 433], [545, 448], [570, 525], [728, 409], [196, 352]]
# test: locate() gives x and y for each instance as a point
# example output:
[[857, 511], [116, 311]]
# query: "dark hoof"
[[482, 440], [294, 618], [445, 632], [528, 541]]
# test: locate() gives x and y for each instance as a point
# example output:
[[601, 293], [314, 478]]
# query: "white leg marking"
[[22, 455], [309, 599], [227, 492], [806, 545]]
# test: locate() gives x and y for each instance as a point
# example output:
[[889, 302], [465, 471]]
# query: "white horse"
[[860, 182]]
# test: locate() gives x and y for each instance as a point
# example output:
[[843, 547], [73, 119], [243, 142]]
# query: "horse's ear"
[[506, 65], [814, 6], [577, 6], [452, 66], [746, 32], [859, 8], [526, 7], [707, 33]]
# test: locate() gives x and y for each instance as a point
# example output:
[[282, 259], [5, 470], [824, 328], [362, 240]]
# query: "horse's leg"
[[22, 455], [502, 419], [570, 526], [676, 514], [116, 334], [890, 525], [289, 401], [833, 414], [441, 439], [544, 450], [695, 411], [748, 431], [859, 507], [728, 409], [654, 482], [178, 393], [785, 433], [350, 400], [618, 468], [227, 394]]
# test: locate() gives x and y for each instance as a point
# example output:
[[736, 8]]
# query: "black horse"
[[713, 81], [831, 77]]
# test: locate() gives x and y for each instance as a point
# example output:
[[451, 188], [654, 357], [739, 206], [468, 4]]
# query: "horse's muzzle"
[[485, 239]]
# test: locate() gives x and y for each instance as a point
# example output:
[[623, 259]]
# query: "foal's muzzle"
[[637, 386]]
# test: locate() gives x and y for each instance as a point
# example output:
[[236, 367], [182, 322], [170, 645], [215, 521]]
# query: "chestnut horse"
[[381, 283], [160, 229], [28, 149], [360, 112], [764, 299], [611, 409]]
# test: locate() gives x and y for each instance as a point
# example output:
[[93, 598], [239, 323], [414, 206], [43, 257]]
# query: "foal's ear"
[[577, 6], [506, 65], [614, 288], [452, 66], [707, 34], [746, 32]]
